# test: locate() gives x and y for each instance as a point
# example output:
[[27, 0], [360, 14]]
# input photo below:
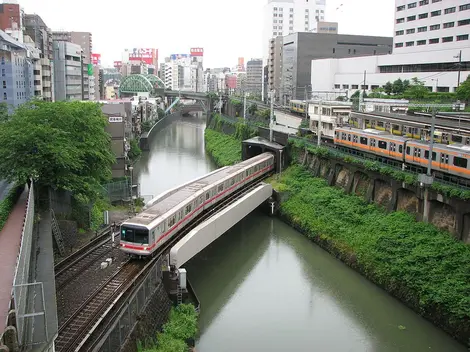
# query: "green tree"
[[388, 88], [160, 113], [252, 109], [397, 87], [463, 91], [416, 90], [62, 145], [4, 116]]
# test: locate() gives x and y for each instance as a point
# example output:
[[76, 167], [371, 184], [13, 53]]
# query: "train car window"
[[372, 142], [208, 195], [349, 137], [232, 181], [408, 150], [171, 221], [382, 145], [344, 136], [419, 153], [460, 162], [201, 199], [220, 188], [188, 209], [400, 149], [457, 138], [354, 138], [364, 140]]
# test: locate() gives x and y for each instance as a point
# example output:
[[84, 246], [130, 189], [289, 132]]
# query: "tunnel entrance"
[[258, 145]]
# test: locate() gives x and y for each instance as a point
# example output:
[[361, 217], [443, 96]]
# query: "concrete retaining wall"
[[161, 124]]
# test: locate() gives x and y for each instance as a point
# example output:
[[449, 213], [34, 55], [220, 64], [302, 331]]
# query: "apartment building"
[[68, 73], [254, 76]]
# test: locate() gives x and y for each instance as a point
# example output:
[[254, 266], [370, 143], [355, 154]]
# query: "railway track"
[[77, 326], [70, 267], [91, 320]]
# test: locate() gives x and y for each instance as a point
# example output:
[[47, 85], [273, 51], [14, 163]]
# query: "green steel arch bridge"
[[133, 84]]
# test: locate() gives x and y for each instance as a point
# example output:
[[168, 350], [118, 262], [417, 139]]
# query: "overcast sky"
[[225, 29]]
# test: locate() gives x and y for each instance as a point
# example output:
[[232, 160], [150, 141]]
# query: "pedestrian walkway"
[[10, 242]]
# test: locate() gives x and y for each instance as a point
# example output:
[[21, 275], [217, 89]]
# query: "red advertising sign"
[[147, 55], [117, 64], [197, 52], [96, 59]]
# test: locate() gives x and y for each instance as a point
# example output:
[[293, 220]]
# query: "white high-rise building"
[[282, 17], [427, 25], [431, 43]]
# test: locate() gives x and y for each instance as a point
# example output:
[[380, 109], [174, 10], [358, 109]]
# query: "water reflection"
[[286, 294], [176, 156]]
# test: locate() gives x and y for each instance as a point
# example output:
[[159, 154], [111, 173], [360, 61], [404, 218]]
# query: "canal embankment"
[[424, 267]]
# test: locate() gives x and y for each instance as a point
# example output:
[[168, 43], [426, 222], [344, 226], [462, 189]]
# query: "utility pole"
[[271, 119], [244, 105], [460, 65], [319, 123], [431, 145]]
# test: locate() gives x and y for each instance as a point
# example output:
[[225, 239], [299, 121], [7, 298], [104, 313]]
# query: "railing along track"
[[103, 324]]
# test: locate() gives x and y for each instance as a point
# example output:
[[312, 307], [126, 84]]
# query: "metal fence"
[[21, 285], [119, 190], [129, 314]]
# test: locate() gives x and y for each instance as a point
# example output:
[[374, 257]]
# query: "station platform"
[[10, 242]]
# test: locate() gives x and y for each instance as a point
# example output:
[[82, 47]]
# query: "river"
[[265, 287]]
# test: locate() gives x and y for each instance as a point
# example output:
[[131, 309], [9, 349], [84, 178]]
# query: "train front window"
[[135, 235]]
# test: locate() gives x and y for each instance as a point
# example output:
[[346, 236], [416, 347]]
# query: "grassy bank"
[[422, 266], [224, 149], [181, 327], [8, 203]]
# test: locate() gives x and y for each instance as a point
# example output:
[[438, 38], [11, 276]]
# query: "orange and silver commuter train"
[[450, 159], [145, 233]]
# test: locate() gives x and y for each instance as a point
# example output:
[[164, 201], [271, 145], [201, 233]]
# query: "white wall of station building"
[[348, 74]]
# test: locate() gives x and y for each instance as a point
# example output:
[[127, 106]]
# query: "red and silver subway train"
[[451, 159], [145, 233]]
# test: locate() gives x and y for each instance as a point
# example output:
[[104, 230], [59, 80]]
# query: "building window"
[[449, 25], [449, 10], [422, 29], [434, 1], [275, 9], [398, 45], [462, 37], [410, 43], [4, 84], [412, 5], [365, 86], [464, 22], [337, 86], [396, 33], [410, 31], [400, 8], [5, 96], [355, 86], [434, 27], [400, 20], [434, 41], [411, 18], [464, 7], [447, 39], [345, 86], [3, 72], [291, 28], [291, 10], [423, 2], [436, 13], [423, 16]]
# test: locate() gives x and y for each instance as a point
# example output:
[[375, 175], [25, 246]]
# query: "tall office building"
[[85, 41], [420, 25], [68, 80], [283, 17], [16, 70], [431, 42], [254, 76], [41, 36]]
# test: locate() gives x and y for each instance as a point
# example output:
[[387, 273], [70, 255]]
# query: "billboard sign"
[[197, 52], [115, 119], [90, 70], [178, 56], [147, 55], [117, 64], [96, 59]]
